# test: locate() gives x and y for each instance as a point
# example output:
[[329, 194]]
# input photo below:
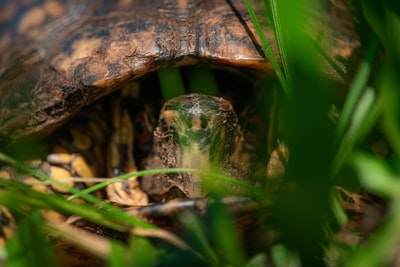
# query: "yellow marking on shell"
[[82, 168], [123, 137], [122, 161], [58, 173], [128, 55], [103, 74], [118, 48], [36, 185], [54, 9], [8, 231], [182, 4], [7, 226], [85, 48], [33, 18], [128, 52], [132, 195], [54, 217], [59, 155], [133, 52], [82, 49], [64, 63], [37, 16]]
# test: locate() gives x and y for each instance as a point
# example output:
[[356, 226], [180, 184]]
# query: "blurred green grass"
[[319, 153]]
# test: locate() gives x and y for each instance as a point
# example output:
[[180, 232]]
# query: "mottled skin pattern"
[[58, 56], [200, 132]]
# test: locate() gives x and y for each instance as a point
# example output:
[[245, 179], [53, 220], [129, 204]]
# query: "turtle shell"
[[59, 56]]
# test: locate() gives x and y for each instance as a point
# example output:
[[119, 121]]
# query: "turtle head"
[[197, 131]]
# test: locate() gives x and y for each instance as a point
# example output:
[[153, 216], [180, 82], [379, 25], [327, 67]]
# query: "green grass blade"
[[377, 177], [143, 253], [391, 108], [17, 195], [267, 48], [196, 230], [210, 181], [202, 80], [225, 234], [362, 120], [30, 246], [117, 213], [171, 82], [356, 89], [278, 29]]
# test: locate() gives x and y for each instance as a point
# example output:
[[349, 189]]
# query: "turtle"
[[48, 75], [64, 62]]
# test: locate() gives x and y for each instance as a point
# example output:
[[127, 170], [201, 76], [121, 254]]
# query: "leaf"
[[30, 246], [375, 176], [142, 252], [225, 235]]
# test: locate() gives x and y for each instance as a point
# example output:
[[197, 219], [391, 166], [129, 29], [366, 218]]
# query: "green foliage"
[[30, 246], [318, 158], [139, 252]]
